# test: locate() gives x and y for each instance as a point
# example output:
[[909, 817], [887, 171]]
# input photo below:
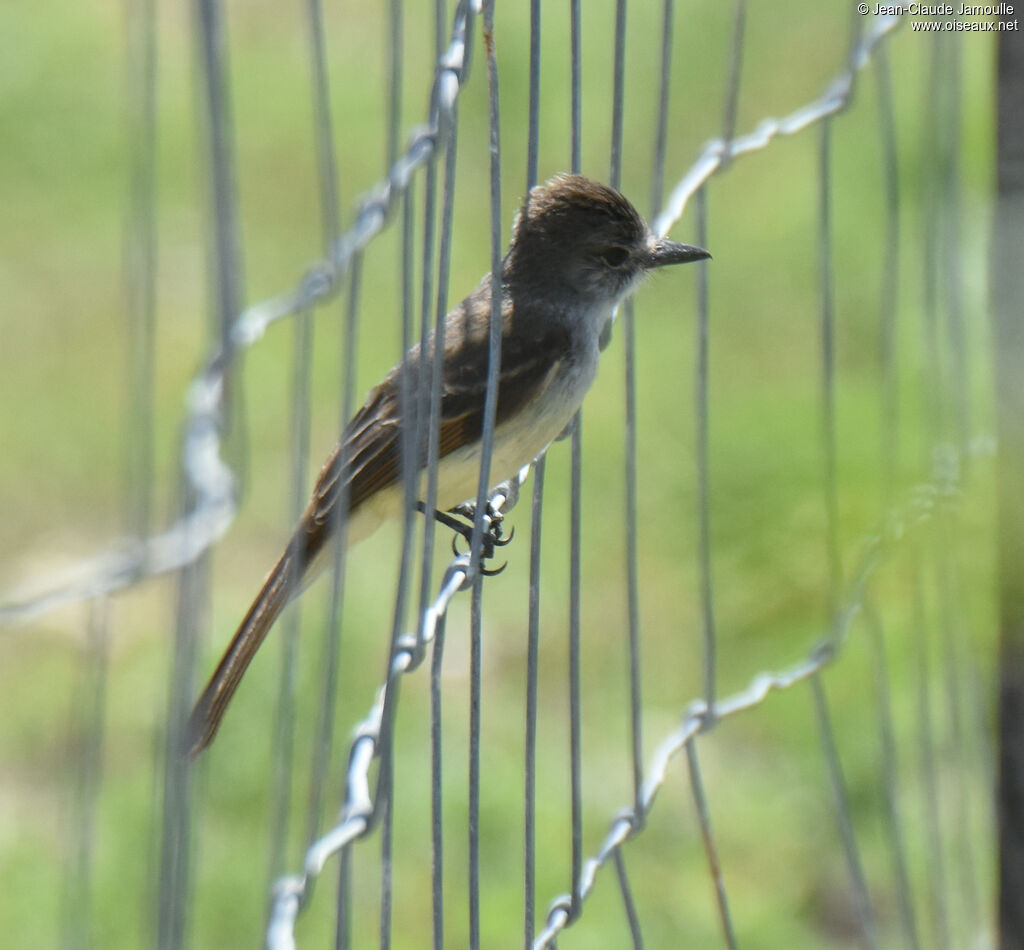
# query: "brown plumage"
[[578, 247]]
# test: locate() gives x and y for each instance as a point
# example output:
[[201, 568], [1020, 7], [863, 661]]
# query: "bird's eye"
[[615, 256]]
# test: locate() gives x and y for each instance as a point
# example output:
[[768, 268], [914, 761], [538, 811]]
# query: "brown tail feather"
[[277, 590]]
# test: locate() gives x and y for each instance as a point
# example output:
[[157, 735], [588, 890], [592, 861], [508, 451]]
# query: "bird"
[[578, 248]]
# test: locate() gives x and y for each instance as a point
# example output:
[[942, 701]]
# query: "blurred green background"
[[65, 359]]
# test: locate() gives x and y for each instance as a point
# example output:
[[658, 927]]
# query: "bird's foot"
[[493, 534]]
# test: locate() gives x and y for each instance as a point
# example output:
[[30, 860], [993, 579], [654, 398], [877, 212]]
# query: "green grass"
[[63, 371]]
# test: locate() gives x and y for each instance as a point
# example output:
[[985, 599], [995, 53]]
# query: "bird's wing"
[[371, 450]]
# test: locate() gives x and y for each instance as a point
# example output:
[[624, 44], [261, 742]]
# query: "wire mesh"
[[919, 515]]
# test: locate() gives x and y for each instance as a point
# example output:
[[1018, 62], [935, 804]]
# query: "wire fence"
[[924, 880]]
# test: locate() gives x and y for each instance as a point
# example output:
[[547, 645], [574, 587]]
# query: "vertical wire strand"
[[393, 94], [889, 453], [929, 775], [140, 269], [536, 521], [702, 404], [952, 250], [427, 400], [890, 776], [630, 449], [702, 413], [628, 904], [833, 550], [343, 901], [933, 370], [346, 400], [223, 195], [407, 395], [226, 250], [283, 749], [393, 83], [387, 828], [141, 264], [633, 653], [618, 92], [855, 866], [176, 794], [423, 381], [932, 394], [575, 93], [433, 345], [409, 414], [661, 122], [323, 128], [476, 610], [710, 848], [486, 450], [86, 742], [437, 650], [1007, 281], [495, 323], [958, 665], [953, 662], [283, 743], [828, 373], [888, 310], [330, 222], [575, 523], [575, 715], [732, 84], [532, 665], [436, 798], [533, 131], [193, 590], [439, 22], [933, 385]]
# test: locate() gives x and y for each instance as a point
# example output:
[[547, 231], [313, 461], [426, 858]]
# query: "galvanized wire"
[[920, 506], [718, 152], [536, 528], [141, 255], [575, 512], [854, 863], [210, 492], [700, 803], [631, 520], [86, 739], [890, 776]]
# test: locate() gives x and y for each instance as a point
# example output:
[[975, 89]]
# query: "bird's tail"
[[281, 584]]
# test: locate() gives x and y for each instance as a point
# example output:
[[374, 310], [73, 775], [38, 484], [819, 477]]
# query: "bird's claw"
[[493, 572], [493, 535]]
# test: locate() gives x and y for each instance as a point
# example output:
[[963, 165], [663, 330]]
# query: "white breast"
[[519, 440]]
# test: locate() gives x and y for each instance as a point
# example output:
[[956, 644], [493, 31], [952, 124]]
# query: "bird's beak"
[[663, 252]]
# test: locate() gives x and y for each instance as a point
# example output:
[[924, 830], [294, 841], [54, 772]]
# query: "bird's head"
[[579, 239]]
